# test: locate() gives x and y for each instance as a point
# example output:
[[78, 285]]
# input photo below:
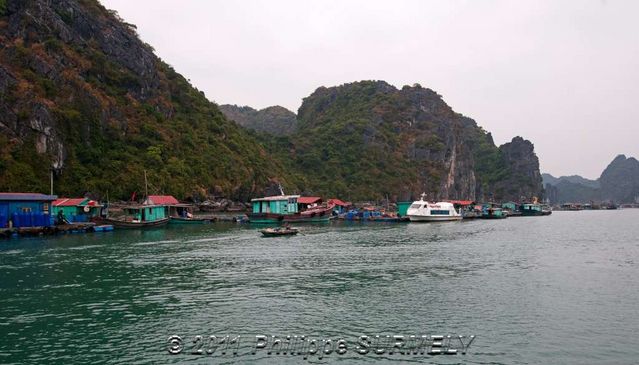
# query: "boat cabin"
[[280, 204], [25, 210], [145, 213], [530, 208], [440, 208]]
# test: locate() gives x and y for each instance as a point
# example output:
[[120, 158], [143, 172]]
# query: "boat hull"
[[532, 214], [179, 220], [270, 218], [127, 224], [422, 218], [278, 233]]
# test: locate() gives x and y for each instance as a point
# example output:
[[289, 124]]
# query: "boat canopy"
[[275, 198]]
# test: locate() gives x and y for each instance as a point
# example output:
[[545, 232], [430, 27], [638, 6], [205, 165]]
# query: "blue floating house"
[[23, 210]]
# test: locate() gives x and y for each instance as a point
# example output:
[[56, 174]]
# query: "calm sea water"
[[557, 289]]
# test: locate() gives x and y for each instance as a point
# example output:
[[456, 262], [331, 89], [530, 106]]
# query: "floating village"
[[29, 214]]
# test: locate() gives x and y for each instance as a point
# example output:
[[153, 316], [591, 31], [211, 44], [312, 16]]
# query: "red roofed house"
[[75, 209], [305, 202], [172, 206], [338, 205]]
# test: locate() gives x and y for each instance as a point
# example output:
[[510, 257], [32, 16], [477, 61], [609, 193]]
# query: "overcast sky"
[[563, 74]]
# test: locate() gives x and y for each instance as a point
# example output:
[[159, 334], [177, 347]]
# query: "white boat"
[[424, 211]]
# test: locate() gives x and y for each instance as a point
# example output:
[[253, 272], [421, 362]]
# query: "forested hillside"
[[80, 93]]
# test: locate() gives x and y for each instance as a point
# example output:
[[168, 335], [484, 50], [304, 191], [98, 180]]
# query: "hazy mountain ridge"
[[619, 182], [575, 179]]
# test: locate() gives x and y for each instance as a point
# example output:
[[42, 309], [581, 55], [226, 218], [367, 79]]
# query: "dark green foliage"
[[113, 126]]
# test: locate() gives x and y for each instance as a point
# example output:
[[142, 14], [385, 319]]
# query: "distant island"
[[618, 183]]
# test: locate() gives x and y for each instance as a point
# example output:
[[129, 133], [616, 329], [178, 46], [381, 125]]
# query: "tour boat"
[[424, 211]]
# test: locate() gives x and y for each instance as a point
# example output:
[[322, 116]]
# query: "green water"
[[557, 289]]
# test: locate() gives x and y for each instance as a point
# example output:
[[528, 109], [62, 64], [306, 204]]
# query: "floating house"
[[23, 210], [76, 210], [339, 206], [285, 208], [273, 208], [402, 208]]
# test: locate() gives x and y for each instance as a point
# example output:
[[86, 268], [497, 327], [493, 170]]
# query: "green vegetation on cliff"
[[369, 140], [82, 95], [102, 110]]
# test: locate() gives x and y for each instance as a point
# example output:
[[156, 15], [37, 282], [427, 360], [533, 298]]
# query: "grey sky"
[[564, 74]]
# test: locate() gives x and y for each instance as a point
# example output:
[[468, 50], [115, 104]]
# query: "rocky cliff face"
[[620, 180], [524, 179], [275, 120], [80, 93], [370, 140]]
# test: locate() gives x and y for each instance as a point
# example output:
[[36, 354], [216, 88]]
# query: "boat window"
[[440, 212], [415, 206]]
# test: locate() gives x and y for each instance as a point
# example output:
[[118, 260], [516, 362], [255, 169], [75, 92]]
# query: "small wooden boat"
[[280, 231]]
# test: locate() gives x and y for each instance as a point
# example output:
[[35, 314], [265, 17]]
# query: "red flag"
[[133, 196]]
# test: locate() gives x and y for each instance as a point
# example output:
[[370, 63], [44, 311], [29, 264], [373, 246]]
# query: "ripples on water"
[[558, 289]]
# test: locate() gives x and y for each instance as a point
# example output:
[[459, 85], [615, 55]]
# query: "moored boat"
[[139, 216], [531, 209], [493, 213], [183, 214], [279, 231], [423, 211], [285, 208]]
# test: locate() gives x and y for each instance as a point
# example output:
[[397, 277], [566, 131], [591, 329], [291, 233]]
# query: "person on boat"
[[61, 218]]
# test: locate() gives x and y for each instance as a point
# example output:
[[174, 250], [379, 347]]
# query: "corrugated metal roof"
[[338, 202], [74, 202], [68, 202], [309, 199], [161, 200], [27, 196], [275, 198]]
